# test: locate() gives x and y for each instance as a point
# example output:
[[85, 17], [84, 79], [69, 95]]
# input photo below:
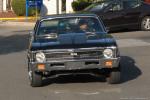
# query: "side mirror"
[[110, 10], [31, 33], [107, 29]]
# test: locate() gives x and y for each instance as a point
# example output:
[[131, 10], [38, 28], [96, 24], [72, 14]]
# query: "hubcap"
[[146, 23], [30, 75]]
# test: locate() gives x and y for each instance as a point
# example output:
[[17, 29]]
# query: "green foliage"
[[19, 7], [80, 4]]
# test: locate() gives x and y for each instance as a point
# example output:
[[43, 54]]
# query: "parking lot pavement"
[[14, 83], [131, 43]]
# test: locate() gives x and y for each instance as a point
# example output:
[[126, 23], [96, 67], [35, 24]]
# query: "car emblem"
[[73, 54]]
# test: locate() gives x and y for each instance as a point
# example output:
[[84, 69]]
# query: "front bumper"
[[75, 64]]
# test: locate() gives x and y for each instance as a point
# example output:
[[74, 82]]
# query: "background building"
[[5, 5], [56, 6]]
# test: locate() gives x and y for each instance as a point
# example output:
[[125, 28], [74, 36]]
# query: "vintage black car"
[[71, 44], [123, 14]]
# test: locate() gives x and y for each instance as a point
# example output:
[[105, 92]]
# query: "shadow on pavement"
[[80, 78], [129, 72], [13, 43]]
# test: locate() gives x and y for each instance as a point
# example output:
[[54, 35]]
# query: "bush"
[[80, 5], [19, 7]]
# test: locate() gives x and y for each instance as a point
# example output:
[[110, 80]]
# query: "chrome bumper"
[[76, 64]]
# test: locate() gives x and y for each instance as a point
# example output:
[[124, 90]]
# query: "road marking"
[[90, 93], [122, 43], [94, 92]]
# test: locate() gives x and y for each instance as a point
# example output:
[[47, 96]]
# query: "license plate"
[[74, 65]]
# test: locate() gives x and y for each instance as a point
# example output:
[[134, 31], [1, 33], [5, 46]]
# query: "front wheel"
[[114, 76], [35, 79], [145, 23]]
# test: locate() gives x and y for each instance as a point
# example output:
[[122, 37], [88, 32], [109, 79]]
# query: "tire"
[[114, 76], [35, 79], [145, 23]]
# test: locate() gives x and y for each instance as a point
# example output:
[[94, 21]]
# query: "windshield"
[[97, 6], [57, 26]]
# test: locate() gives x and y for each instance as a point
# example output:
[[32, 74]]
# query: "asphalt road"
[[14, 83]]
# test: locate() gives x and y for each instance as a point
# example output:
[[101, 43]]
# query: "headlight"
[[108, 53], [40, 57]]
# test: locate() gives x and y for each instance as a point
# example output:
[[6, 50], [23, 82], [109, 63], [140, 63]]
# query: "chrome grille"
[[76, 54]]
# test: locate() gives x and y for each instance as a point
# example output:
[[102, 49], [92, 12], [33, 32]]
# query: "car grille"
[[66, 55]]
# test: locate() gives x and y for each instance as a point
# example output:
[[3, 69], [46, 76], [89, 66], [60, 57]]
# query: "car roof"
[[69, 15]]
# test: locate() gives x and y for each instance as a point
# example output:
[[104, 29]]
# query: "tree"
[[19, 7], [80, 4]]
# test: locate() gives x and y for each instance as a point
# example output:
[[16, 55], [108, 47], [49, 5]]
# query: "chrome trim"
[[73, 66], [75, 60], [78, 49], [32, 53]]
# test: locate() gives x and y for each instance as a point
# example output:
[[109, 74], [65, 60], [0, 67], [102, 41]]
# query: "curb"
[[8, 23], [17, 21], [17, 18]]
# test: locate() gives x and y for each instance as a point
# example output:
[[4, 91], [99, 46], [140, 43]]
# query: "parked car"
[[118, 14], [72, 44], [148, 1]]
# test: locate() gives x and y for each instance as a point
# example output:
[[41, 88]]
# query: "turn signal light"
[[108, 64], [41, 67]]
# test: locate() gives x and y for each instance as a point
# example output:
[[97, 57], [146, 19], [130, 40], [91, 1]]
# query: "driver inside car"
[[87, 27], [83, 25]]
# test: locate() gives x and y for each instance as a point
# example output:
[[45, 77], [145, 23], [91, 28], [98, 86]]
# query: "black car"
[[71, 44], [118, 14]]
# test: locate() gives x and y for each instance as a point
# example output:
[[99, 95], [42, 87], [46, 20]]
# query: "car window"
[[70, 25], [127, 4], [115, 7], [47, 27], [97, 6]]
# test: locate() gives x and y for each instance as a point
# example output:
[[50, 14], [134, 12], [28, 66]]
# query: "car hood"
[[71, 41]]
